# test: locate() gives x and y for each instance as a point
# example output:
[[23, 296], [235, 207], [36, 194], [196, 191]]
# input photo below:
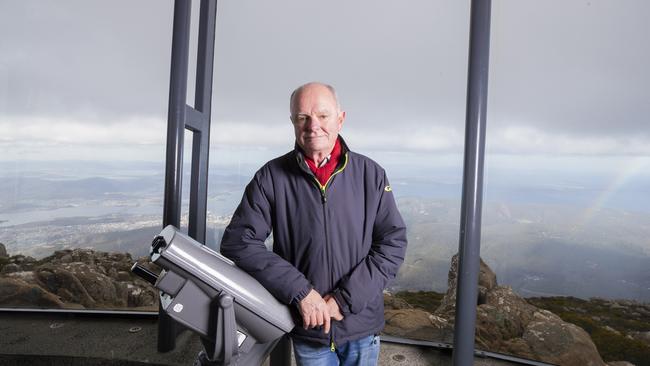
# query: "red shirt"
[[324, 172]]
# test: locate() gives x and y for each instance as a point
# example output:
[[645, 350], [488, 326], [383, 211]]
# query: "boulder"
[[15, 292], [418, 324], [556, 341], [505, 323], [55, 278], [83, 278], [11, 267], [394, 302], [3, 250], [487, 280]]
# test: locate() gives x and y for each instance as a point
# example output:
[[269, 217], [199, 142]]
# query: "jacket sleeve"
[[370, 277], [243, 242]]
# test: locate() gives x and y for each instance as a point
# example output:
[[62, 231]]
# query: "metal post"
[[471, 205], [175, 139], [201, 126], [197, 120]]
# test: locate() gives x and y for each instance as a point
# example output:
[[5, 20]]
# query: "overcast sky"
[[567, 77]]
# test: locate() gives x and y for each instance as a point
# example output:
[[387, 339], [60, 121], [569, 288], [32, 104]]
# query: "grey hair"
[[301, 87]]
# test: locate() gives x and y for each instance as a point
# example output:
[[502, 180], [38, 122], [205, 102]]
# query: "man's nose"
[[312, 123]]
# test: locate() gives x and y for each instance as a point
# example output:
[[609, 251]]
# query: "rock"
[[393, 302], [11, 267], [505, 323], [141, 295], [418, 324], [123, 276], [554, 341], [54, 279], [3, 250], [15, 292], [504, 316], [98, 286], [66, 258], [487, 280]]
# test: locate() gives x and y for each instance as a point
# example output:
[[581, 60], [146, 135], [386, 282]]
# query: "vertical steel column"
[[471, 205], [197, 119], [176, 113], [167, 329], [201, 126]]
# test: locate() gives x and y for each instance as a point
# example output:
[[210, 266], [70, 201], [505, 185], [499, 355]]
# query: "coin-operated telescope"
[[238, 320]]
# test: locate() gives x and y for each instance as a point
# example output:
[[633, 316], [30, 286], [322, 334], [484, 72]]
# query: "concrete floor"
[[63, 339]]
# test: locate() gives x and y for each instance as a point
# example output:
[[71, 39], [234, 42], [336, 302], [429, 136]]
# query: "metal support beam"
[[197, 119], [202, 104], [471, 205]]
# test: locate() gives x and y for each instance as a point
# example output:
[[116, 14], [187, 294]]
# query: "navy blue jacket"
[[345, 238]]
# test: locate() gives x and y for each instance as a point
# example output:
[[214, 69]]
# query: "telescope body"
[[238, 320]]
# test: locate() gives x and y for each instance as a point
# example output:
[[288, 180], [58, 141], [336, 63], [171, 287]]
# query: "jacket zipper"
[[323, 194]]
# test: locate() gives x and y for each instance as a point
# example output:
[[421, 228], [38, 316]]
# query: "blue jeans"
[[364, 351]]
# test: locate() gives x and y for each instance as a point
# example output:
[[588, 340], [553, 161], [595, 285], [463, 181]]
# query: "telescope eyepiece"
[[157, 244]]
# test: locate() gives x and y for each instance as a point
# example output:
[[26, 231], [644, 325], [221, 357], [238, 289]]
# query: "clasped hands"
[[317, 311]]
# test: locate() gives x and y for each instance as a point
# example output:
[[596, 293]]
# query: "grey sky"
[[567, 77]]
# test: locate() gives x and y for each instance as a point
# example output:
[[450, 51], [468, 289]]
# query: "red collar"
[[324, 172]]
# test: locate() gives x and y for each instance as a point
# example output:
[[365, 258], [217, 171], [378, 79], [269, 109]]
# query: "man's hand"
[[314, 311], [333, 307]]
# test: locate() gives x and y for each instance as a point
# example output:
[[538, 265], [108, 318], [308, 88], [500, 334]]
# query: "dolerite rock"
[[418, 324], [15, 292], [394, 302], [83, 278], [11, 267], [3, 250], [503, 316], [506, 323], [59, 280], [487, 280], [559, 342]]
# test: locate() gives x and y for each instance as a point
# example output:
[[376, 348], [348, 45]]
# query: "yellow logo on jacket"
[[388, 189]]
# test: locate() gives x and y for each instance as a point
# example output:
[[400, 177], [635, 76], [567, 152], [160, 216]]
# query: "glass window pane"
[[568, 171], [83, 104]]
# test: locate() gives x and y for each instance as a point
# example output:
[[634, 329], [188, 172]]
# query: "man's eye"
[[323, 116], [301, 119]]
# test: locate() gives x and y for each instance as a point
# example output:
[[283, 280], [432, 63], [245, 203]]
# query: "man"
[[338, 237]]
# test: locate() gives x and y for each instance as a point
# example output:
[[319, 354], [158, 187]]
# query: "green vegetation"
[[608, 323], [425, 300]]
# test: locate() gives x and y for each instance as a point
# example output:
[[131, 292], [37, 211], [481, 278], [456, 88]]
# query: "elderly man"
[[338, 237]]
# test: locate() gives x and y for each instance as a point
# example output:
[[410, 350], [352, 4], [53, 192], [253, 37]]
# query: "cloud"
[[524, 140], [52, 131], [69, 78]]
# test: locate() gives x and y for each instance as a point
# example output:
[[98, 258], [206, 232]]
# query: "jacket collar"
[[300, 155]]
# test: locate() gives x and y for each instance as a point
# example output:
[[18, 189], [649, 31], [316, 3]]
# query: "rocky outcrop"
[[15, 292], [3, 250], [79, 278], [505, 323]]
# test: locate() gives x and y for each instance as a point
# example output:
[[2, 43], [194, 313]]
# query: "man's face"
[[316, 120]]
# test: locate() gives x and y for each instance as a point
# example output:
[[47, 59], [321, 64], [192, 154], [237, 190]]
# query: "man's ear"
[[341, 119]]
